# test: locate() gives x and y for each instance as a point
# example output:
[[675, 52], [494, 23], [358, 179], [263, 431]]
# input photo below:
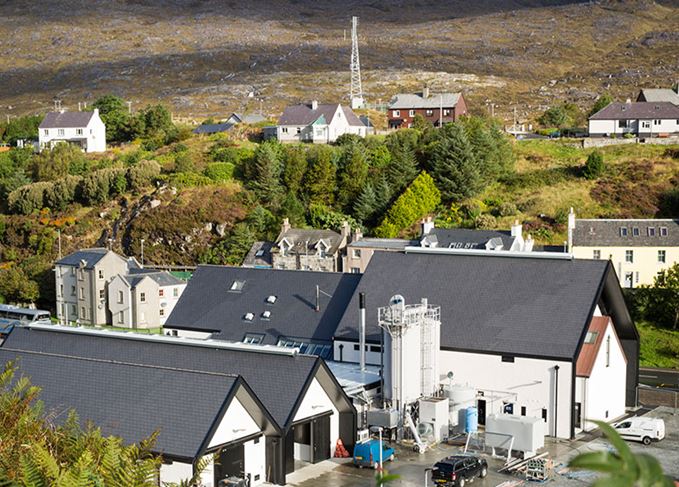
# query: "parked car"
[[457, 470], [641, 429], [367, 454]]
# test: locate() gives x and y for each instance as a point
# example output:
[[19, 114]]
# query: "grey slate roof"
[[163, 278], [259, 255], [208, 304], [505, 305], [90, 256], [607, 233], [383, 243], [212, 128], [247, 118], [125, 399], [405, 101], [303, 114], [658, 94], [55, 120], [277, 380], [469, 239], [638, 111], [304, 240]]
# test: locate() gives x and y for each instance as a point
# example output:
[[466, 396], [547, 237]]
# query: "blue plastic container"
[[471, 420]]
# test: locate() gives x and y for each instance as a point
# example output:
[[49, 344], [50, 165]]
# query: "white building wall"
[[168, 301], [525, 382], [236, 423], [350, 352], [121, 309], [201, 335], [94, 135], [316, 402], [255, 460], [175, 472]]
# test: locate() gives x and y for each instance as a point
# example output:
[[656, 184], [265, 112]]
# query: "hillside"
[[203, 57]]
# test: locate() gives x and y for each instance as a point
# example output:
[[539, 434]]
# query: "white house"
[[641, 119], [83, 129], [318, 124]]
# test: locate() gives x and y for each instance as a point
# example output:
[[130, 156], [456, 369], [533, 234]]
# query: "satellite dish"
[[397, 299], [450, 375]]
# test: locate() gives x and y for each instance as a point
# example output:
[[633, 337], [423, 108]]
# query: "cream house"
[[638, 248], [318, 123]]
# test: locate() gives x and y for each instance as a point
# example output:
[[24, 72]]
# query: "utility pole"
[[142, 252], [356, 90], [129, 107], [59, 243]]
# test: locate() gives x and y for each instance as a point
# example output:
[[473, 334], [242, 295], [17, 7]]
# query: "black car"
[[456, 470]]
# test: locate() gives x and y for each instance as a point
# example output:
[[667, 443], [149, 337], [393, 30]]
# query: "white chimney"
[[528, 244], [314, 105], [286, 225], [425, 91], [628, 101], [427, 225], [516, 229], [361, 329], [96, 111], [571, 229]]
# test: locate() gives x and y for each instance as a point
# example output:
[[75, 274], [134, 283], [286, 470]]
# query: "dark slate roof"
[[62, 120], [124, 398], [384, 243], [417, 100], [469, 239], [607, 233], [213, 128], [247, 118], [304, 240], [208, 304], [505, 305], [304, 115], [278, 381], [658, 94], [259, 255], [163, 278], [637, 110], [90, 256]]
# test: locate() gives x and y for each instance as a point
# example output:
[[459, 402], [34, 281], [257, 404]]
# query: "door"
[[230, 462], [320, 438], [481, 406], [289, 448], [578, 415]]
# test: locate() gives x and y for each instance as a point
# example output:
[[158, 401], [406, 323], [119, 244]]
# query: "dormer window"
[[635, 231], [663, 231], [651, 231], [623, 231], [284, 246], [322, 248]]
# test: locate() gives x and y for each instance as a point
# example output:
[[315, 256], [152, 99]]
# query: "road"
[[665, 378]]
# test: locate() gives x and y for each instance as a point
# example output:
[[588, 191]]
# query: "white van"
[[641, 429]]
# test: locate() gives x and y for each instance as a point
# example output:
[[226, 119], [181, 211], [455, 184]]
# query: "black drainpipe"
[[382, 365], [556, 401], [341, 350]]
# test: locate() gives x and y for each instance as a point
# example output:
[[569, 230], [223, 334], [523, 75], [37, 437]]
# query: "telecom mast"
[[356, 94]]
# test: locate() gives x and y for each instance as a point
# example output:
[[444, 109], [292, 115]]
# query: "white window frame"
[[61, 132], [121, 297], [396, 113], [142, 297], [78, 131], [662, 256], [411, 113], [596, 254], [629, 256]]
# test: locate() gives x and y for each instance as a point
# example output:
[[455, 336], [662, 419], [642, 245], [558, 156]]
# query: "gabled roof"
[[383, 243], [259, 255], [405, 101], [489, 303], [303, 114], [213, 128], [54, 120], [654, 95], [163, 278], [208, 303], [638, 110], [247, 118], [278, 381], [90, 257], [469, 239], [607, 233], [305, 240], [120, 394]]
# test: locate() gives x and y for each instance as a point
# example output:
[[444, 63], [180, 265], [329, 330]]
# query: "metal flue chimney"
[[361, 329]]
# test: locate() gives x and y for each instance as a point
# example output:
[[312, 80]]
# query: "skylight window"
[[237, 286], [271, 299], [266, 315], [591, 337], [249, 316]]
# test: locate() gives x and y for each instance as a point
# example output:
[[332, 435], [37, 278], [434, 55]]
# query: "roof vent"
[[249, 316], [266, 315], [271, 299], [237, 286]]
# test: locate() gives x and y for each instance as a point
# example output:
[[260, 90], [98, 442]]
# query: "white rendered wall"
[[168, 301], [255, 460], [316, 401], [532, 380], [175, 472], [236, 423], [202, 335], [350, 355]]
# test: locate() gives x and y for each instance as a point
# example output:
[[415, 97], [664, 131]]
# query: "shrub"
[[28, 198], [219, 171], [507, 209], [471, 209], [142, 175], [594, 167], [188, 180], [61, 193], [485, 222]]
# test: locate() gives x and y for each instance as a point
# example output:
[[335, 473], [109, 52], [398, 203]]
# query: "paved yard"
[[410, 466]]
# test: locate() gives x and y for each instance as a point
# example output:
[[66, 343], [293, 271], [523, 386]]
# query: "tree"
[[666, 287], [53, 164], [493, 152], [233, 249], [602, 102], [115, 115], [554, 117], [353, 174], [594, 166], [366, 203], [319, 182], [16, 287], [294, 168], [402, 168], [22, 128], [454, 164], [621, 467], [36, 452], [267, 174]]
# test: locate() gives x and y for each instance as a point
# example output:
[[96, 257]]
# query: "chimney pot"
[[314, 105], [425, 91], [286, 225], [516, 229]]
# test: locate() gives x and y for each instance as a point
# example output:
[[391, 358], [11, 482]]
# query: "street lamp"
[[142, 252], [379, 429]]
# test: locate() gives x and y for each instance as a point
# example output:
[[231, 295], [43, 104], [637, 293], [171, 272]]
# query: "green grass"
[[659, 346]]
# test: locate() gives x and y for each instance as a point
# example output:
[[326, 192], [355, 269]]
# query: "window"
[[161, 292], [355, 270], [61, 289], [78, 131], [629, 256], [47, 132], [101, 294], [646, 124], [83, 314], [544, 414], [60, 132], [375, 348], [249, 316], [161, 312], [429, 113], [622, 124], [356, 253], [72, 290], [663, 231], [299, 130], [591, 337], [321, 252], [120, 297], [629, 279], [623, 231], [411, 113], [396, 113], [661, 256], [101, 273], [656, 122], [266, 315], [523, 410], [175, 292], [319, 132], [596, 254], [446, 112], [651, 231], [608, 351], [74, 309], [635, 231], [321, 350], [357, 347], [508, 408], [508, 358], [81, 274], [284, 130], [271, 299], [142, 297], [121, 317], [253, 338], [82, 293]]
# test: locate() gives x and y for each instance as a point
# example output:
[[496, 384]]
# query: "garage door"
[[320, 437]]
